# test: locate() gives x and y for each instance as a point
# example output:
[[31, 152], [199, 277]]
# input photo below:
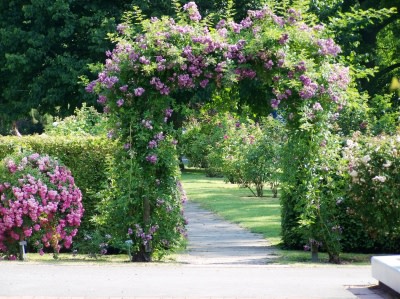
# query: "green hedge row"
[[84, 156]]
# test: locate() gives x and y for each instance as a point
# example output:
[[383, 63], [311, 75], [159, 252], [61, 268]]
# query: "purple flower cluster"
[[194, 14], [284, 39], [260, 14], [340, 77], [147, 124], [309, 89], [139, 232], [328, 47], [181, 191], [152, 144], [120, 102], [102, 99], [139, 91], [152, 158], [185, 81], [317, 107], [29, 206], [159, 136], [161, 87], [293, 16], [121, 28], [160, 202], [167, 114]]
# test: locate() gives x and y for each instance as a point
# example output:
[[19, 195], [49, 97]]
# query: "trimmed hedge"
[[84, 156]]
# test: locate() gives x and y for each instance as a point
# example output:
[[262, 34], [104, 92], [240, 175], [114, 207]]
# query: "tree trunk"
[[314, 252], [15, 129], [274, 189], [144, 254], [259, 189], [334, 259]]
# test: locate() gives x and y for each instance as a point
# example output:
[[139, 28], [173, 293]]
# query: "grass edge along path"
[[259, 215]]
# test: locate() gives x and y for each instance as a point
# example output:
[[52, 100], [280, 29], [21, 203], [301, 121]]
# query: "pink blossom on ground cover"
[[39, 199]]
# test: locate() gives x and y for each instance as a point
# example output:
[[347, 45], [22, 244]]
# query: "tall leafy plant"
[[290, 63]]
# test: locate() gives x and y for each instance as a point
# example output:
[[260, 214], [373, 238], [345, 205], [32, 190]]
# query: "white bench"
[[386, 269]]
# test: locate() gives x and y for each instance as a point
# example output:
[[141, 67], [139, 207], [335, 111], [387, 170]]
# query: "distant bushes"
[[245, 152]]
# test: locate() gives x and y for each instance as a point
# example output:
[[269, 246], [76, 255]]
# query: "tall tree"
[[44, 47], [369, 33]]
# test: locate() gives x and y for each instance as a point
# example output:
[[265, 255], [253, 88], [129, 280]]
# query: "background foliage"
[[46, 48]]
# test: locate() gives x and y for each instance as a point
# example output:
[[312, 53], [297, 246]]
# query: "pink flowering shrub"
[[39, 202]]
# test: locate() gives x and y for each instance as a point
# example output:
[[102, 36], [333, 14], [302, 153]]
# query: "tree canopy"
[[47, 47]]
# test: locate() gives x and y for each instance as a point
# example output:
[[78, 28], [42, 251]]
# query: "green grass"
[[76, 259], [84, 259], [259, 215], [237, 205]]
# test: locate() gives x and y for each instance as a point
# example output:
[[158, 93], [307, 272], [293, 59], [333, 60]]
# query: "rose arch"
[[292, 64]]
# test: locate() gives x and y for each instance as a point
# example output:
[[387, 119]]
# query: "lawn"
[[238, 205], [259, 215]]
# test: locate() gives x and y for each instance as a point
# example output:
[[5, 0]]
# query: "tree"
[[46, 46], [369, 35]]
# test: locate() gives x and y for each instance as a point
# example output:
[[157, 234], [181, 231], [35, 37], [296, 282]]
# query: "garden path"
[[212, 240]]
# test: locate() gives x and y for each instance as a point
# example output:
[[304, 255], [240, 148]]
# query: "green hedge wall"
[[84, 156]]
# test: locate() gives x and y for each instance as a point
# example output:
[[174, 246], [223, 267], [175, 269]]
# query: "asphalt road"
[[222, 261], [170, 280]]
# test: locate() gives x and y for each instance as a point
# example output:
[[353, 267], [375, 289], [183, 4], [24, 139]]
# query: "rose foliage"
[[371, 204], [39, 201], [245, 152], [290, 62]]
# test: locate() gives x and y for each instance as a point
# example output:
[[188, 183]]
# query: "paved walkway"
[[213, 241], [222, 261]]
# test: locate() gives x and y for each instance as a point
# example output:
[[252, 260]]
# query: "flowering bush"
[[244, 152], [372, 200], [290, 63], [81, 155], [93, 244], [38, 201]]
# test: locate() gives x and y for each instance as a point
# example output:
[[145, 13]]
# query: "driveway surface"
[[222, 261]]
